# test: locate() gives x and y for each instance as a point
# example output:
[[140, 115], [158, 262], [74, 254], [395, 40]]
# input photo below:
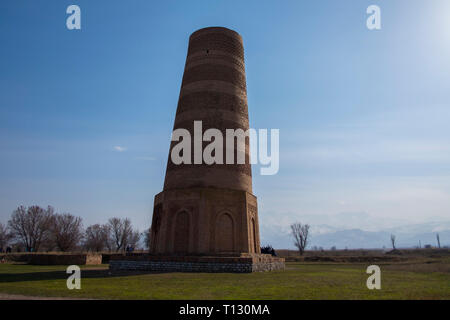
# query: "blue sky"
[[363, 115]]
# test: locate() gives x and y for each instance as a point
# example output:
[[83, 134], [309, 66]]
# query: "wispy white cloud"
[[119, 149]]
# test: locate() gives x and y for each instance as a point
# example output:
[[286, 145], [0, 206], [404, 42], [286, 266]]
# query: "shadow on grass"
[[62, 275]]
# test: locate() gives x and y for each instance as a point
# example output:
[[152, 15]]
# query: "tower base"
[[204, 221], [244, 263]]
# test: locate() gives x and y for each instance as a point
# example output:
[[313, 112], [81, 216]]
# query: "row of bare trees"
[[300, 233], [35, 229], [394, 241], [116, 235]]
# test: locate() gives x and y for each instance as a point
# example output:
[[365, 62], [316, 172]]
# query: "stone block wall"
[[241, 264], [65, 259]]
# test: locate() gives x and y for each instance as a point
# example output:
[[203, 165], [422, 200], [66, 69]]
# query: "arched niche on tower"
[[181, 234], [253, 234], [225, 232]]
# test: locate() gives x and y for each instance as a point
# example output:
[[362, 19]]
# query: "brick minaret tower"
[[209, 209]]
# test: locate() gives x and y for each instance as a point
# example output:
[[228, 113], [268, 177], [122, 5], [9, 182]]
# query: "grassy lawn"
[[298, 281]]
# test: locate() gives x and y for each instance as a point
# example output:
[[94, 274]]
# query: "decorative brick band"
[[216, 59], [234, 177], [199, 169], [217, 100], [211, 120], [213, 86], [216, 41], [216, 56], [212, 71]]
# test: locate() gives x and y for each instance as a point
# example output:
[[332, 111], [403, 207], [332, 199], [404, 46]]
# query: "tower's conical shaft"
[[214, 92]]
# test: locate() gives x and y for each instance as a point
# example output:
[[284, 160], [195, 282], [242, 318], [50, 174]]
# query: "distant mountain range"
[[356, 238], [327, 236]]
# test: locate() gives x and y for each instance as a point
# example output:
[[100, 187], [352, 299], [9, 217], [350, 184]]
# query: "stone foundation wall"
[[65, 259], [197, 264], [165, 266], [268, 266], [92, 259]]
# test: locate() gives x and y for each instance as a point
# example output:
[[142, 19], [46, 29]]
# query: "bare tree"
[[96, 237], [66, 231], [5, 236], [31, 226], [134, 238], [147, 237], [300, 233], [438, 240], [393, 241], [120, 232], [110, 243]]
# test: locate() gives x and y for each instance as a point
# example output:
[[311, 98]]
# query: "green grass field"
[[422, 280]]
